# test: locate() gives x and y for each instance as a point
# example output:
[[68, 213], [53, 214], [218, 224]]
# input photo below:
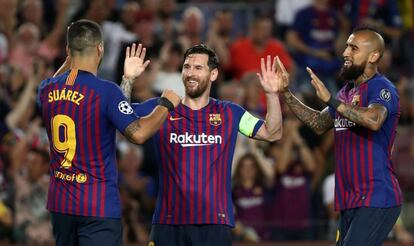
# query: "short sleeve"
[[146, 107], [119, 110], [382, 93], [248, 124]]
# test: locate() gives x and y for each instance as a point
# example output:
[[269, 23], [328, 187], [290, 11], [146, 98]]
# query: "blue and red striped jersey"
[[194, 151], [81, 113], [364, 173]]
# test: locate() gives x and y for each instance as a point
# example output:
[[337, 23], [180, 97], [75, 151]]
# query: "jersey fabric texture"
[[81, 114], [194, 150], [364, 173]]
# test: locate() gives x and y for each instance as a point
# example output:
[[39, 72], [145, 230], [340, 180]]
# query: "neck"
[[248, 183], [85, 63], [196, 103], [367, 75]]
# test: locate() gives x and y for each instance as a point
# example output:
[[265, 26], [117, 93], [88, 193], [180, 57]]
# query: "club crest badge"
[[355, 100], [215, 119]]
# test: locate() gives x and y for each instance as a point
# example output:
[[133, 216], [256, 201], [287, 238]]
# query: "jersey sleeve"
[[146, 107], [119, 110], [382, 93], [247, 123]]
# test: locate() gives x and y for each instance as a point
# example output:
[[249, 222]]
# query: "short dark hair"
[[213, 61], [83, 35]]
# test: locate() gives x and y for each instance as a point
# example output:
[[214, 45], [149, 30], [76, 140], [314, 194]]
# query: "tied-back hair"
[[82, 35], [213, 61]]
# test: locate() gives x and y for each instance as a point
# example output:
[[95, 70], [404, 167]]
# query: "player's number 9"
[[66, 144]]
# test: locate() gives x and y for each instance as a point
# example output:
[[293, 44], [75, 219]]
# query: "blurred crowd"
[[281, 191]]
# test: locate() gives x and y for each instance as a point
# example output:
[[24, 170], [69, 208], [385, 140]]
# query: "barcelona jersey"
[[364, 173], [81, 113], [194, 151]]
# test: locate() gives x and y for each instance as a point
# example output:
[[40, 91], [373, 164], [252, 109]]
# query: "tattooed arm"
[[142, 129], [126, 86], [318, 121], [371, 117]]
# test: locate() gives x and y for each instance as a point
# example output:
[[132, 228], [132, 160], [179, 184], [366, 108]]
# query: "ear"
[[374, 57], [100, 48], [214, 75]]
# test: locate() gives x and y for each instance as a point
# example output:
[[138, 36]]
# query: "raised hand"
[[134, 63], [321, 90], [274, 77]]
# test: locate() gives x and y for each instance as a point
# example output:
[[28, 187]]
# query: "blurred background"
[[282, 192]]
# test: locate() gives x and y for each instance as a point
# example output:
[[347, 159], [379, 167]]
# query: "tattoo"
[[318, 121], [131, 129], [371, 117], [126, 86]]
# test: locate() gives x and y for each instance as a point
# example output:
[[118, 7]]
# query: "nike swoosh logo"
[[174, 119]]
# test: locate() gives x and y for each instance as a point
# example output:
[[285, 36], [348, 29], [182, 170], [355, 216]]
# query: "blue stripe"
[[196, 164], [204, 173]]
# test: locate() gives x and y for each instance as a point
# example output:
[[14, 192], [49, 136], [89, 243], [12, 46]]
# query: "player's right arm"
[[140, 130], [318, 121]]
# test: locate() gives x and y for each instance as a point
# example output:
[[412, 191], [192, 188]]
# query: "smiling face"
[[197, 76], [363, 51]]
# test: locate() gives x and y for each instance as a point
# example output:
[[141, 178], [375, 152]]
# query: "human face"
[[355, 57], [248, 169], [196, 75]]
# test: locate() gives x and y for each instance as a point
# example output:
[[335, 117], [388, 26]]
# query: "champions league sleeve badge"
[[385, 95], [125, 108]]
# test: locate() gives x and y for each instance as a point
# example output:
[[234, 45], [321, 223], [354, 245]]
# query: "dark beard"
[[197, 92], [352, 73]]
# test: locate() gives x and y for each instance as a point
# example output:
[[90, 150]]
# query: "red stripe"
[[356, 170], [370, 169], [175, 165], [200, 174], [341, 166], [184, 172], [81, 148], [208, 178], [348, 166], [58, 192], [91, 160], [363, 166], [216, 178], [100, 157], [191, 185]]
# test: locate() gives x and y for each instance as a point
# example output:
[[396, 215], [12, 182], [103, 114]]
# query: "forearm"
[[140, 130], [273, 121], [126, 86], [25, 100], [314, 119], [370, 117]]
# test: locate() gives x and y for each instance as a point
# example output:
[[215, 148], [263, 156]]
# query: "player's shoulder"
[[52, 80], [381, 81]]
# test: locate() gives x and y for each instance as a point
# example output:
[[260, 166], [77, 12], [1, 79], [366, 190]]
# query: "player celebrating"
[[81, 113], [195, 148], [364, 115]]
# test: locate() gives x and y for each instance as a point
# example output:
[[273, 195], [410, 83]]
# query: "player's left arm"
[[371, 117], [271, 74]]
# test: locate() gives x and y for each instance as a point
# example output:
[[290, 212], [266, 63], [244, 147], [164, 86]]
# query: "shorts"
[[72, 230], [366, 226], [183, 235]]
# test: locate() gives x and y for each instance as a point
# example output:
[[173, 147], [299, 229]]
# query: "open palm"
[[274, 77], [135, 63]]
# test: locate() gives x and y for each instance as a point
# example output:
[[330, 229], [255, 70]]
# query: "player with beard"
[[81, 113], [194, 151], [364, 115]]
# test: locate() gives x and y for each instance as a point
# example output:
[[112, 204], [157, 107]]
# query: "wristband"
[[163, 101], [334, 103]]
